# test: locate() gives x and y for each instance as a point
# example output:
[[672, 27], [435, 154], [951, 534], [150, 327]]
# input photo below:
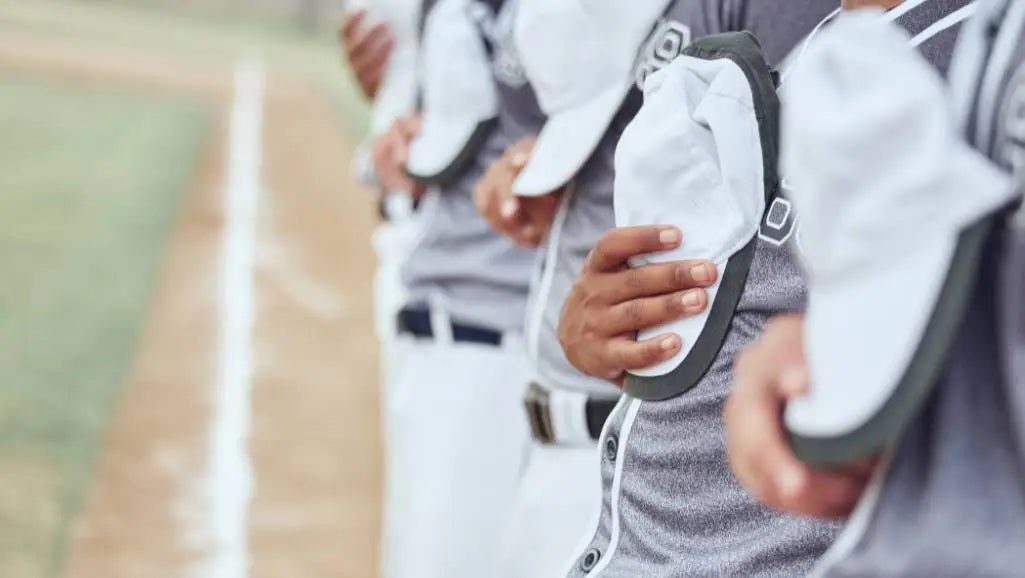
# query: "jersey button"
[[590, 559], [611, 448]]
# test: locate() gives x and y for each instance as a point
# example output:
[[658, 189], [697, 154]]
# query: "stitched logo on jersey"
[[780, 221], [505, 60], [664, 45]]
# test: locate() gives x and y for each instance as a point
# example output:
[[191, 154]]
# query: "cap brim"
[[876, 345], [566, 141], [443, 147]]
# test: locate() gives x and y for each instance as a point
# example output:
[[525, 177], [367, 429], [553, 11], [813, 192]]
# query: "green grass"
[[90, 186]]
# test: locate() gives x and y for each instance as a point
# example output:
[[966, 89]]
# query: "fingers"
[[509, 208], [370, 72], [390, 155], [532, 218], [759, 450], [368, 56], [381, 157], [644, 313], [767, 375], [367, 49], [482, 198], [366, 41], [494, 202], [826, 494], [350, 25], [408, 127], [616, 246], [517, 155], [523, 222], [626, 354], [657, 279]]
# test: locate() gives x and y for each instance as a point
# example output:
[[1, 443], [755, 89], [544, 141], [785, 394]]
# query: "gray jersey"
[[588, 212], [671, 507], [952, 502], [477, 276]]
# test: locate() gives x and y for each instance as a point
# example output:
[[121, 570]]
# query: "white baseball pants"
[[457, 441]]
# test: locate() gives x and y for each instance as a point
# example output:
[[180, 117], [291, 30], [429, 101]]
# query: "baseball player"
[[457, 449], [586, 115], [379, 42], [665, 474], [947, 497]]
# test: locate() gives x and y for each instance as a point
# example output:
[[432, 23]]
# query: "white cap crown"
[[455, 69], [574, 49]]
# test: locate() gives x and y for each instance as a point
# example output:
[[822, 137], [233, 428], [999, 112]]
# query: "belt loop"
[[569, 416], [513, 342], [441, 323]]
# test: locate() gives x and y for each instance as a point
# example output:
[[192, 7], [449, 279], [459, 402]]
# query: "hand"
[[610, 302], [767, 375], [390, 153], [366, 50], [525, 220]]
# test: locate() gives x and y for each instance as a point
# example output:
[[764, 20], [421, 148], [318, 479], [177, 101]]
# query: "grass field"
[[164, 26], [90, 183]]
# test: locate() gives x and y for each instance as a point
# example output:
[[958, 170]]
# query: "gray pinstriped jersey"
[[953, 500], [671, 506], [481, 277]]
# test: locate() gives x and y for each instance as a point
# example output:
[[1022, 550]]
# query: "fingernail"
[[790, 482], [701, 273], [518, 160], [509, 207], [691, 299], [669, 236], [668, 344], [794, 380]]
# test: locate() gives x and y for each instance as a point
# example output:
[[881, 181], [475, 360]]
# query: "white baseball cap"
[[693, 157], [460, 101], [896, 210], [579, 57]]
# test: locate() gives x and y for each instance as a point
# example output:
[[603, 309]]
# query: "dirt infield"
[[313, 443]]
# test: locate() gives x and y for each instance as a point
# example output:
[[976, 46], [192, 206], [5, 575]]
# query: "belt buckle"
[[539, 414]]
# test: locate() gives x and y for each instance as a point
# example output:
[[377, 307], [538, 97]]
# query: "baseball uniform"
[[459, 435], [655, 521], [952, 500], [670, 505], [396, 97], [586, 213]]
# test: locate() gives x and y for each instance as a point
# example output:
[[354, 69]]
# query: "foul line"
[[229, 482]]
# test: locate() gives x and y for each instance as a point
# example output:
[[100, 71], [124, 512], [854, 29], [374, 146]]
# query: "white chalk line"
[[229, 480]]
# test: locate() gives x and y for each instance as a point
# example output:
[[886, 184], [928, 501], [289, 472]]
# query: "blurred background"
[[187, 363]]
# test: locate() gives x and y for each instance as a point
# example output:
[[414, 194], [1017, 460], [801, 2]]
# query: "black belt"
[[596, 412], [417, 322]]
